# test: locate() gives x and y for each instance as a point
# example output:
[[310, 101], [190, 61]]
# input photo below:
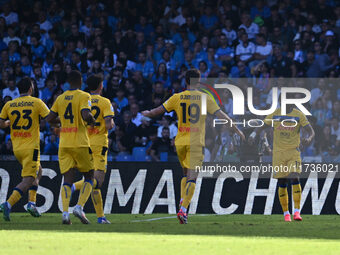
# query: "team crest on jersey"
[[90, 104]]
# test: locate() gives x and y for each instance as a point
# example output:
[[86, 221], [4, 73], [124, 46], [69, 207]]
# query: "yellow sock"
[[66, 196], [296, 190], [183, 184], [77, 185], [97, 202], [85, 192], [283, 197], [189, 192], [15, 196], [32, 194]]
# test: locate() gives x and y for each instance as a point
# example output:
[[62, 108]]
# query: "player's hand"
[[306, 141], [7, 123], [146, 113]]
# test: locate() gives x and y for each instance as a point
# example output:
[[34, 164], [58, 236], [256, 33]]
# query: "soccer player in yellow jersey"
[[286, 153], [102, 111], [190, 139], [73, 108], [23, 116]]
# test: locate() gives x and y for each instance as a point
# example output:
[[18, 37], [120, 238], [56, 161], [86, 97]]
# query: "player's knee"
[[294, 178], [88, 176], [27, 182], [283, 182]]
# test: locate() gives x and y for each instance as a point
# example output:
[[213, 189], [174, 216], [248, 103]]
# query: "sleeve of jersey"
[[44, 111], [212, 106], [3, 114], [85, 103], [55, 107], [303, 120], [169, 105], [108, 110]]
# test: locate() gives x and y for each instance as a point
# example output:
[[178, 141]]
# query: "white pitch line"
[[168, 217]]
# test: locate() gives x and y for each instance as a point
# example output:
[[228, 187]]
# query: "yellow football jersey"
[[191, 122], [101, 108], [286, 136], [24, 114], [73, 131]]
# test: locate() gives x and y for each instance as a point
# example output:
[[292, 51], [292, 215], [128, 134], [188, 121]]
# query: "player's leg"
[[66, 194], [84, 160], [194, 158], [67, 169], [181, 154], [28, 160], [16, 195], [32, 195], [183, 184], [283, 197], [295, 169], [99, 176], [296, 193], [77, 185]]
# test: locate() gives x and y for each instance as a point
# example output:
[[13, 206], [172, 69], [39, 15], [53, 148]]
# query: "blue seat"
[[124, 158], [163, 156], [139, 153]]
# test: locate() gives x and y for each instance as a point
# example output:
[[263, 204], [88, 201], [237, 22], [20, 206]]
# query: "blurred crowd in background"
[[143, 48]]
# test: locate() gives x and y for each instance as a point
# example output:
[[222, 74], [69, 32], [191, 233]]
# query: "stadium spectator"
[[161, 144]]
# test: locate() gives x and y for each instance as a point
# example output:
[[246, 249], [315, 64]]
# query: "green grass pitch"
[[161, 234]]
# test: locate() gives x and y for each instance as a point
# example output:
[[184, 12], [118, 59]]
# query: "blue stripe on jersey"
[[280, 117]]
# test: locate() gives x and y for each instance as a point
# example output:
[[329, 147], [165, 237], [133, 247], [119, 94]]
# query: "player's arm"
[[222, 115], [88, 117], [167, 106], [53, 118], [311, 134], [4, 123], [108, 114], [109, 123], [154, 112], [85, 106]]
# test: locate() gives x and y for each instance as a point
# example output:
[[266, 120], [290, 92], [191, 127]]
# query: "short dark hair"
[[74, 78], [24, 85], [93, 82], [192, 74]]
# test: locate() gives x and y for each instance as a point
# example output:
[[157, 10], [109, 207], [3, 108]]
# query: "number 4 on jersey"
[[68, 115]]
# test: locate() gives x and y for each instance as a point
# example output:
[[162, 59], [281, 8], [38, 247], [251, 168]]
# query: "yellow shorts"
[[80, 158], [286, 162], [190, 156], [29, 160], [99, 157]]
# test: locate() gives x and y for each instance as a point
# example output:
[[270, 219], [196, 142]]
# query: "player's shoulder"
[[298, 113], [104, 100], [83, 93], [35, 99]]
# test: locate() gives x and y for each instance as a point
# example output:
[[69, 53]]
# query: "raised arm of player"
[[154, 112], [222, 115]]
